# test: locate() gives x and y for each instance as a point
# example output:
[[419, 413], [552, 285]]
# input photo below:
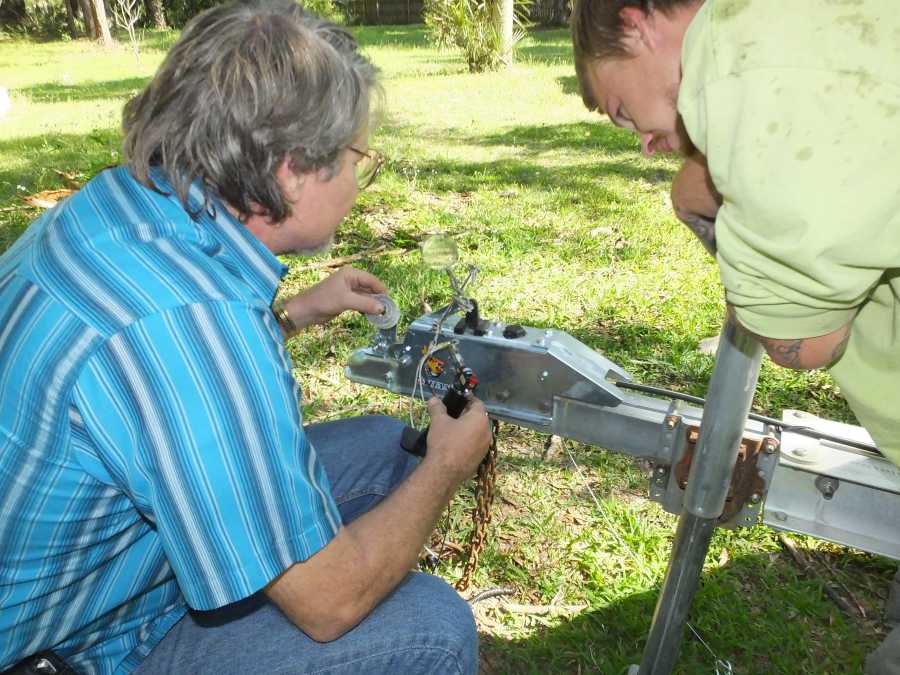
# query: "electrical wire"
[[771, 421], [432, 349], [722, 667]]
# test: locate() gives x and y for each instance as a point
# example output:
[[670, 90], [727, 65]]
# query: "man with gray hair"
[[163, 508]]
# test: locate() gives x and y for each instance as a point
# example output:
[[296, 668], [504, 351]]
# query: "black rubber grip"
[[415, 441]]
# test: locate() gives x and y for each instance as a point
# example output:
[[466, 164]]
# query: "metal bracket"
[[749, 481]]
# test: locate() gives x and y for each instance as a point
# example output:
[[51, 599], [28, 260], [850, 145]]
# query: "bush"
[[551, 12], [37, 18], [179, 12], [327, 9], [473, 26]]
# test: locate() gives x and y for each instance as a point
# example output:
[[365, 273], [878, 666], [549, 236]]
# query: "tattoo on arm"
[[839, 349], [704, 228], [784, 353]]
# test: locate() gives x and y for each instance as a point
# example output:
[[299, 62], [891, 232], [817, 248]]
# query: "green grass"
[[571, 228]]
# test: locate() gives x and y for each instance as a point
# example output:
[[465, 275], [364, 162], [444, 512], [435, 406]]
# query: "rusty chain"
[[485, 484]]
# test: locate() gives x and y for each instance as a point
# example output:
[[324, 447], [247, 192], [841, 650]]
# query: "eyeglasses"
[[367, 167]]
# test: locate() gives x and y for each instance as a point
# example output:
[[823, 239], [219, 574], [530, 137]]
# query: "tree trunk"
[[156, 14], [505, 18], [89, 27], [70, 18], [98, 12], [561, 17], [12, 12]]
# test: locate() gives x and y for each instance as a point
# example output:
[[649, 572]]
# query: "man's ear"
[[639, 29], [289, 181]]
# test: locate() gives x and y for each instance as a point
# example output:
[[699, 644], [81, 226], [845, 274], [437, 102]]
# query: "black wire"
[[771, 421], [490, 593]]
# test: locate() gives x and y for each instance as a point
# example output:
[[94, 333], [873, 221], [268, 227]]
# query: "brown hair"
[[598, 32]]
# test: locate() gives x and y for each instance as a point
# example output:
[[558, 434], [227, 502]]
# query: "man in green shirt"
[[788, 113]]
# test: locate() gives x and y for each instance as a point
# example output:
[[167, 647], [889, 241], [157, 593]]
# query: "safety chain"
[[485, 483]]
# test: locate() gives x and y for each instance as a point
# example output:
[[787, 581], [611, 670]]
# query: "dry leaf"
[[598, 231], [68, 179], [46, 199]]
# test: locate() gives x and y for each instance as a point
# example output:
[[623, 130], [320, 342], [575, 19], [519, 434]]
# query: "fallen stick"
[[514, 608], [377, 252], [810, 572], [834, 573]]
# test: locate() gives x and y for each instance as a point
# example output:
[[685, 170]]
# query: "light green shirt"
[[796, 106]]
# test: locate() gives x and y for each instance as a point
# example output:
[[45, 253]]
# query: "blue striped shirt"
[[152, 456]]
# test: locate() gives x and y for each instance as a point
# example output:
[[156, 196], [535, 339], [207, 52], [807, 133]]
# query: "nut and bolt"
[[827, 486], [770, 445], [671, 421]]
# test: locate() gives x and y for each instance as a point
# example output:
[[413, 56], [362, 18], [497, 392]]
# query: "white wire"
[[418, 383], [722, 667], [432, 349]]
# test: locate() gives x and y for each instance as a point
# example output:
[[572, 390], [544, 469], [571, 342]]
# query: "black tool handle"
[[414, 441]]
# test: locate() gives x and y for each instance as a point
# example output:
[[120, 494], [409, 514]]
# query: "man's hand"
[[696, 200], [348, 288], [458, 445]]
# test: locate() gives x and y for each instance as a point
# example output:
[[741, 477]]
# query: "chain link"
[[485, 484]]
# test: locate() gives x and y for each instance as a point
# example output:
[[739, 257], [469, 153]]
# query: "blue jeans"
[[423, 626]]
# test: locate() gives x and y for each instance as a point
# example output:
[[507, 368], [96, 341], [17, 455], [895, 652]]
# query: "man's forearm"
[[696, 200], [342, 583], [704, 228], [390, 536]]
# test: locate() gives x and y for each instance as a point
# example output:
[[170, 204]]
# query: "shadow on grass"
[[39, 156], [412, 36], [607, 152], [50, 92], [160, 40], [569, 85], [781, 623], [587, 136], [548, 46], [452, 176], [85, 154]]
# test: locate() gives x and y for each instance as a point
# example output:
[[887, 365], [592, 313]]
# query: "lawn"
[[572, 229]]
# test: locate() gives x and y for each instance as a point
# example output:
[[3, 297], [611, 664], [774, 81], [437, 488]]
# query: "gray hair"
[[247, 85]]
